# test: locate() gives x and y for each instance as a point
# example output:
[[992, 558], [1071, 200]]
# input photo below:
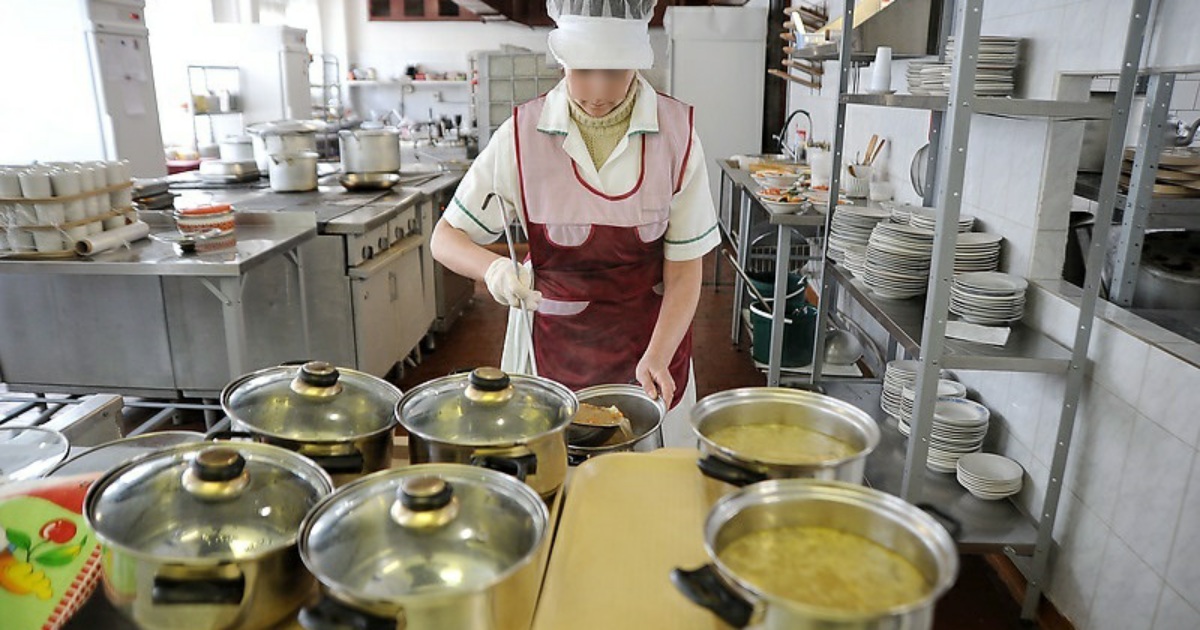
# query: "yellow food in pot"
[[781, 443], [825, 568]]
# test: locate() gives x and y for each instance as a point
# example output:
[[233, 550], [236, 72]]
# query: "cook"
[[608, 179]]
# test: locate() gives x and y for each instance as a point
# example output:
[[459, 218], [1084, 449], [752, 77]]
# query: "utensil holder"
[[858, 184]]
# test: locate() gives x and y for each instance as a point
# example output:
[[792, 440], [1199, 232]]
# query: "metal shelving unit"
[[205, 86], [919, 329]]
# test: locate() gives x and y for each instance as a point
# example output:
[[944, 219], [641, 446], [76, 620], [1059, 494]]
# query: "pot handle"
[[575, 459], [705, 589], [330, 614], [952, 525], [722, 470], [200, 591], [520, 467], [349, 464], [230, 435]]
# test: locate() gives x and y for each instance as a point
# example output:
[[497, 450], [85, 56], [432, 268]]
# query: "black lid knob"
[[319, 374], [218, 464], [425, 494], [489, 379]]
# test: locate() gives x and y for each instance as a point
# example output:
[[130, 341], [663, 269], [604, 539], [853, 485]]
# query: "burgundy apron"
[[597, 258]]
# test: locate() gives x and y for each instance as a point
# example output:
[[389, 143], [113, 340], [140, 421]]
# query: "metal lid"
[[111, 454], [215, 502], [285, 127], [430, 529], [312, 402], [370, 129], [486, 407]]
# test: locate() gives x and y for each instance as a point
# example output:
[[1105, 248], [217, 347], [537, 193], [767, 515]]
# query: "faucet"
[[1180, 134], [781, 137]]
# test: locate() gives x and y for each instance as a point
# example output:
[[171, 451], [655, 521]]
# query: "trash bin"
[[799, 328]]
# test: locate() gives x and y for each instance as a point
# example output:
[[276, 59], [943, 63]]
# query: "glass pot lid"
[[428, 529], [30, 452], [312, 402], [224, 501], [487, 407]]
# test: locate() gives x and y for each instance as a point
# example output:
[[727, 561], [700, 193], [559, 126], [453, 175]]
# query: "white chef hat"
[[602, 34]]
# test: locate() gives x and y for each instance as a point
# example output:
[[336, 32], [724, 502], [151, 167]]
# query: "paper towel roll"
[[68, 181], [112, 239], [93, 179]]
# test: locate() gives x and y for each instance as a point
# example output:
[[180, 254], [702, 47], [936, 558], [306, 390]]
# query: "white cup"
[[881, 71], [69, 181], [10, 187], [821, 162], [90, 178]]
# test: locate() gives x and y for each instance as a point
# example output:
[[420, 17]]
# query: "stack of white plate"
[[926, 219], [959, 426], [852, 225], [897, 375], [989, 476], [902, 212], [977, 251], [989, 298], [995, 75], [854, 259], [898, 259], [998, 59], [946, 389]]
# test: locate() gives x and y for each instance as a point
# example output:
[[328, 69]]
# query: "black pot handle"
[[722, 470], [575, 459], [952, 525], [706, 589], [330, 614], [168, 590], [231, 435], [348, 464], [520, 467]]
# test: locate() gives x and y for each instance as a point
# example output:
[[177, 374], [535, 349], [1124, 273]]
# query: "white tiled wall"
[[1128, 531], [1130, 512]]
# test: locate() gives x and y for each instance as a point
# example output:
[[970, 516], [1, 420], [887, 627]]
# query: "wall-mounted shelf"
[[991, 106], [414, 83]]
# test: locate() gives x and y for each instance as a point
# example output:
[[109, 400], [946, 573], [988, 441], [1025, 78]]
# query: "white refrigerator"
[[717, 59], [78, 84]]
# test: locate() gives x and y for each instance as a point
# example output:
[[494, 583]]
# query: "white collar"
[[556, 113]]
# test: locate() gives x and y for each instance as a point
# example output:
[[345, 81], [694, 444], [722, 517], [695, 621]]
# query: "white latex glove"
[[510, 289]]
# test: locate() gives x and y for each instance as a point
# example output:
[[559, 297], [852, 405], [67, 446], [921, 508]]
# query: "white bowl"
[[779, 207], [776, 181]]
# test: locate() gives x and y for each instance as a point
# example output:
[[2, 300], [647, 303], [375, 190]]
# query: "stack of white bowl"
[[989, 476], [898, 374], [946, 388]]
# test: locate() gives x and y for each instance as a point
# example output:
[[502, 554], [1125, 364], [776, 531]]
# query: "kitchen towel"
[[991, 335]]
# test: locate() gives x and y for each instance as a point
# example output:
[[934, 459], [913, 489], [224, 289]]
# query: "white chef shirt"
[[692, 224]]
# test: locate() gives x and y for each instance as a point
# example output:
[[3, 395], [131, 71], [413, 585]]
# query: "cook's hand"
[[654, 374], [509, 288]]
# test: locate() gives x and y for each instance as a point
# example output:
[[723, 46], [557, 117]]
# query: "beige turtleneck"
[[601, 135]]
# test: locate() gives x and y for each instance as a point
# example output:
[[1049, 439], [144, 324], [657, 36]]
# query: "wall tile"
[[1118, 361], [1055, 316], [1151, 492], [1075, 570], [1098, 449], [1049, 252], [1183, 97], [1022, 406], [1183, 570], [1049, 415], [1127, 591], [1033, 492], [1174, 613], [1174, 399]]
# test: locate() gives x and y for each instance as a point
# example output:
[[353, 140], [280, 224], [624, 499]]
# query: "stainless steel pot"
[[204, 536], [282, 136], [645, 416], [777, 405], [428, 547], [293, 172], [370, 149], [237, 149], [514, 424], [881, 518], [341, 419]]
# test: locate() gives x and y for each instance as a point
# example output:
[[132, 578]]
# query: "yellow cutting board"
[[628, 520]]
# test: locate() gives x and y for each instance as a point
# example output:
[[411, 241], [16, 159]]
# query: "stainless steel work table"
[[259, 237]]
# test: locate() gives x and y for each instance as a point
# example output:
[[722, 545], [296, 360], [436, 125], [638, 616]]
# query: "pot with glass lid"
[[796, 554], [342, 419], [514, 424], [204, 535], [427, 547]]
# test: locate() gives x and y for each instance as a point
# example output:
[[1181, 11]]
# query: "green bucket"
[[764, 281], [799, 328]]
